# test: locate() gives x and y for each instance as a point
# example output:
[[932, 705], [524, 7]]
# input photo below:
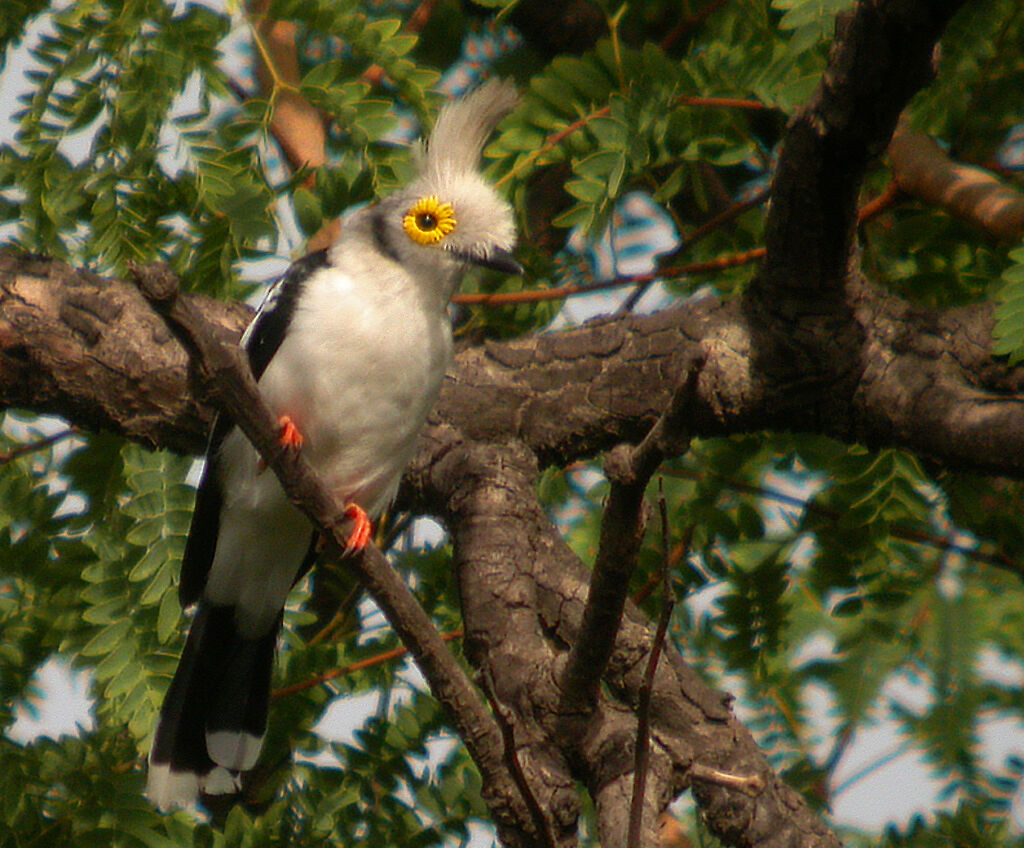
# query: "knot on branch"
[[157, 282], [620, 465], [752, 784]]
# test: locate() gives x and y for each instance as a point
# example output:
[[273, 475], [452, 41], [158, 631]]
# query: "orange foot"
[[290, 436], [362, 529]]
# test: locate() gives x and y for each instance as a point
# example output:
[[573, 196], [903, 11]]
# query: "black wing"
[[268, 328], [261, 341]]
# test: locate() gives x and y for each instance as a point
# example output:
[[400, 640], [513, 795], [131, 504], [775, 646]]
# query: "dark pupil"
[[426, 221]]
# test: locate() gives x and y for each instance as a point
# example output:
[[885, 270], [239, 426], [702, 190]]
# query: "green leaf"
[[1008, 333], [308, 210], [168, 617]]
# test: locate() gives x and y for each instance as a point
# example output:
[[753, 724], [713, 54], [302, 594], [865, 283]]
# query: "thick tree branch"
[[91, 350], [881, 56], [523, 594], [224, 364]]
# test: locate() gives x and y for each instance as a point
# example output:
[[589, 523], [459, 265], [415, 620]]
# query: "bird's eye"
[[429, 220]]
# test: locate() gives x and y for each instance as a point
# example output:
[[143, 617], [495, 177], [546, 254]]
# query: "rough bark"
[[90, 349]]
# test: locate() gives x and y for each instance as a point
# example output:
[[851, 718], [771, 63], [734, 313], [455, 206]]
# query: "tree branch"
[[523, 594], [91, 350], [628, 469], [923, 169], [295, 124], [641, 756], [881, 56]]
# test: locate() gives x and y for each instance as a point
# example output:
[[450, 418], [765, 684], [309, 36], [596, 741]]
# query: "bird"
[[349, 349]]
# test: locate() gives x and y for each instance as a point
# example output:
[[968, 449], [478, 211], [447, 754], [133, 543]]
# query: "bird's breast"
[[358, 371]]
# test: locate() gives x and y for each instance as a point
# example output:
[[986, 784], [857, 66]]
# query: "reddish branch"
[[868, 211], [359, 665]]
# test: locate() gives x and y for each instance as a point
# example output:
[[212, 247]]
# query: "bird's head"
[[449, 216]]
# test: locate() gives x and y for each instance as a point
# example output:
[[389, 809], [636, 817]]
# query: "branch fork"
[[629, 469]]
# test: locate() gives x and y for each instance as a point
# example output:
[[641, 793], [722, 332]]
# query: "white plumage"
[[352, 348], [358, 436]]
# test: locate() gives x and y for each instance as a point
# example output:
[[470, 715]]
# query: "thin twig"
[[537, 295], [712, 224], [508, 732], [358, 665], [695, 236], [723, 103], [553, 140], [557, 137], [873, 766], [38, 445], [643, 726], [751, 784], [879, 204], [732, 260], [343, 610], [843, 739]]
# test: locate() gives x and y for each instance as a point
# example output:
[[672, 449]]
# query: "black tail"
[[215, 713]]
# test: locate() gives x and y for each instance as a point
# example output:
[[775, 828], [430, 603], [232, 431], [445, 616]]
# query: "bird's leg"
[[290, 438], [362, 529]]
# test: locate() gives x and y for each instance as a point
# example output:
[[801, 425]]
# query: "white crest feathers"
[[463, 127]]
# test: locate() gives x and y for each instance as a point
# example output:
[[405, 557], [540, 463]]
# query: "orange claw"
[[290, 436], [362, 529]]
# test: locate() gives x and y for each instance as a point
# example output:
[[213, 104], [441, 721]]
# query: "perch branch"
[[926, 382]]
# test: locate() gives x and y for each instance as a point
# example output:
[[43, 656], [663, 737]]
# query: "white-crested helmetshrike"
[[349, 349]]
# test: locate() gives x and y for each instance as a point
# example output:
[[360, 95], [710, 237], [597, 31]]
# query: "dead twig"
[[643, 709]]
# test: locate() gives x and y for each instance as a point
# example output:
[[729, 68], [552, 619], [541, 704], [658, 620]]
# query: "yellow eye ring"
[[429, 220]]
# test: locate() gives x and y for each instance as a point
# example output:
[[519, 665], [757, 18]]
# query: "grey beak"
[[499, 260]]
